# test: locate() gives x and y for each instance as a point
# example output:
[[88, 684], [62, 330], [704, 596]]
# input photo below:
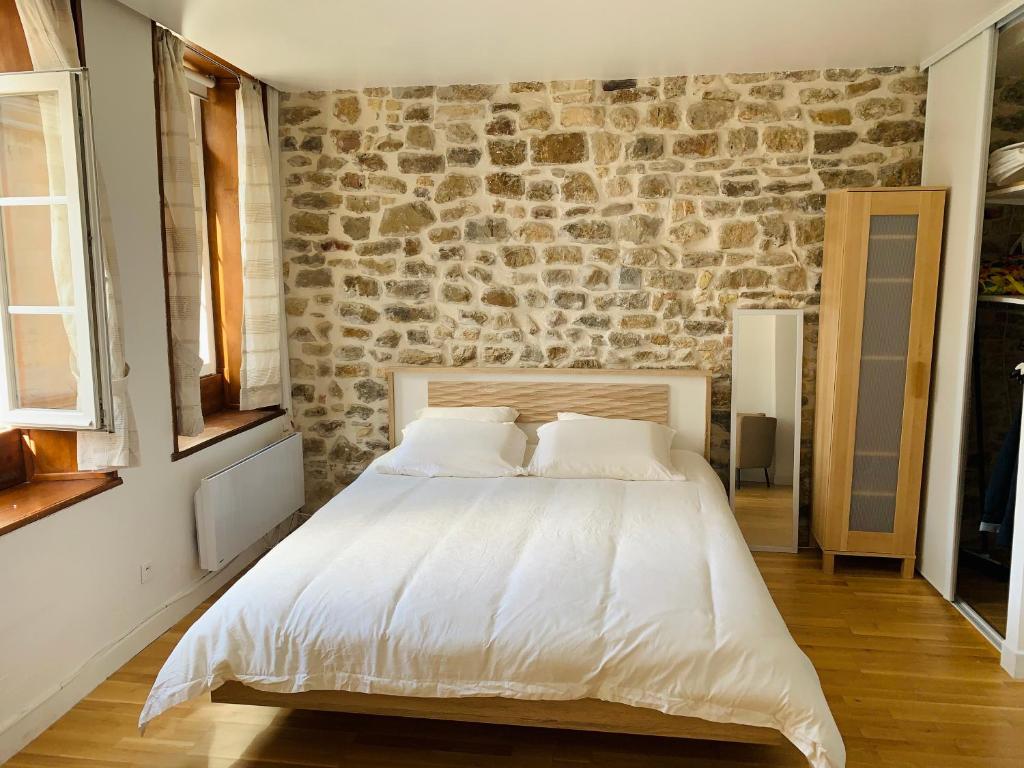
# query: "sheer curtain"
[[50, 32], [260, 376], [52, 43], [120, 448], [181, 212]]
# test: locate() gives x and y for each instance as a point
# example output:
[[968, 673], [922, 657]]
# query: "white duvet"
[[642, 593]]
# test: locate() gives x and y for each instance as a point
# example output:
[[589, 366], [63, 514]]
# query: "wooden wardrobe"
[[877, 320]]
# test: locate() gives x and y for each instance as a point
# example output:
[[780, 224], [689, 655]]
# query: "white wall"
[[753, 381], [72, 608], [754, 369]]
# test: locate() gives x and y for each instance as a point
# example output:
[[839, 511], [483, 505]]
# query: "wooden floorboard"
[[911, 685], [765, 515]]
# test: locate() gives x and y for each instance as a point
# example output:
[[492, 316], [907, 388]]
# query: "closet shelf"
[[1011, 195], [989, 299]]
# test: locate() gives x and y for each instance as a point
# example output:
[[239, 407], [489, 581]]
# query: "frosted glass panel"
[[880, 296], [883, 372]]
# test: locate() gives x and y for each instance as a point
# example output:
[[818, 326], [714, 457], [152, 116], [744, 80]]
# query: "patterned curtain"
[[181, 212], [50, 33], [52, 43], [260, 376]]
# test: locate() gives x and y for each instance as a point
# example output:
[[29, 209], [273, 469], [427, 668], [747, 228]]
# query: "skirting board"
[[1013, 662], [16, 734]]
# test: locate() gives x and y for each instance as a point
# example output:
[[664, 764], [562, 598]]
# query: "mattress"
[[642, 593]]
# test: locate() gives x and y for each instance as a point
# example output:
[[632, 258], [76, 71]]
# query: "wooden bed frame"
[[538, 394], [576, 715]]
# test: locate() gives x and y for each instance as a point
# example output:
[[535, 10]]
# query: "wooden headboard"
[[679, 398]]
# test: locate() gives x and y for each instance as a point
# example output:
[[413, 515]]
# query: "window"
[[53, 358], [213, 85], [207, 326], [52, 342]]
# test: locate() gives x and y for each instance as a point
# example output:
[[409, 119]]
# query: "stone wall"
[[572, 223]]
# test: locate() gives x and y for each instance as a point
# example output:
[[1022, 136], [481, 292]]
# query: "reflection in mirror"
[[765, 427]]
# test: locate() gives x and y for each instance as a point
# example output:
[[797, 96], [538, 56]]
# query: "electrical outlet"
[[145, 572]]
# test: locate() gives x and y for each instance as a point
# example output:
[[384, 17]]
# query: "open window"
[[54, 359], [52, 343]]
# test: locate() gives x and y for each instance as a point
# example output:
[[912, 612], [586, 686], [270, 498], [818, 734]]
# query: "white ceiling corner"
[[323, 44]]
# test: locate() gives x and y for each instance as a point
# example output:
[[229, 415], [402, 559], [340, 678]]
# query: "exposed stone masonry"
[[571, 223]]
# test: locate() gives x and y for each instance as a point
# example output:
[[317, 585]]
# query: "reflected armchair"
[[755, 444]]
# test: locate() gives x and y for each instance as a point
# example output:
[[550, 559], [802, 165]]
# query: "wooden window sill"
[[27, 502], [221, 426]]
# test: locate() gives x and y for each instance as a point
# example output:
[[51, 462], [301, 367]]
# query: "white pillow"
[[456, 448], [499, 414], [619, 449]]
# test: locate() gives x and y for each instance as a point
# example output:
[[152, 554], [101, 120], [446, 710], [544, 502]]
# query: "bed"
[[587, 604]]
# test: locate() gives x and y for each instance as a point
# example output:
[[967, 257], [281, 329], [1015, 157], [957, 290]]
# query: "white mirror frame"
[[798, 403]]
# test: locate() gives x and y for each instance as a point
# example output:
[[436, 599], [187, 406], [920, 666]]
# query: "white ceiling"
[[298, 44]]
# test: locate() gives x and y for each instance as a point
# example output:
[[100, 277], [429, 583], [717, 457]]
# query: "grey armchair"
[[755, 443]]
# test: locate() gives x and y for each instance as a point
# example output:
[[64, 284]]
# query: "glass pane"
[[44, 362], [31, 153], [986, 520], [207, 342], [34, 247], [883, 372]]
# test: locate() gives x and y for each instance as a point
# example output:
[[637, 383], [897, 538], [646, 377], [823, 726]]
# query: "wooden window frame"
[[39, 476], [219, 392]]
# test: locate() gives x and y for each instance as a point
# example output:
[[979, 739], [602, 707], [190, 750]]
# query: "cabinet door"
[[890, 306]]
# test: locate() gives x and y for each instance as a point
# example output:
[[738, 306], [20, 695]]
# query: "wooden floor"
[[911, 685], [765, 515], [985, 593]]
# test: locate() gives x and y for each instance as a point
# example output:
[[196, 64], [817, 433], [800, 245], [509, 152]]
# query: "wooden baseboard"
[[578, 715]]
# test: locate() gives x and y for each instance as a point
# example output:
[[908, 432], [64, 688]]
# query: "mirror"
[[764, 445]]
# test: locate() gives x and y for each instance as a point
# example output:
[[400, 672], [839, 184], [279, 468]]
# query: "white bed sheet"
[[642, 593]]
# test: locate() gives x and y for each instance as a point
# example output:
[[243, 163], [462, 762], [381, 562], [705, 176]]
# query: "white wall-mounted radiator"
[[242, 502]]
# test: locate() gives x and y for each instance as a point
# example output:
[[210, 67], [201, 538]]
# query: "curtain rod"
[[213, 61], [203, 54]]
